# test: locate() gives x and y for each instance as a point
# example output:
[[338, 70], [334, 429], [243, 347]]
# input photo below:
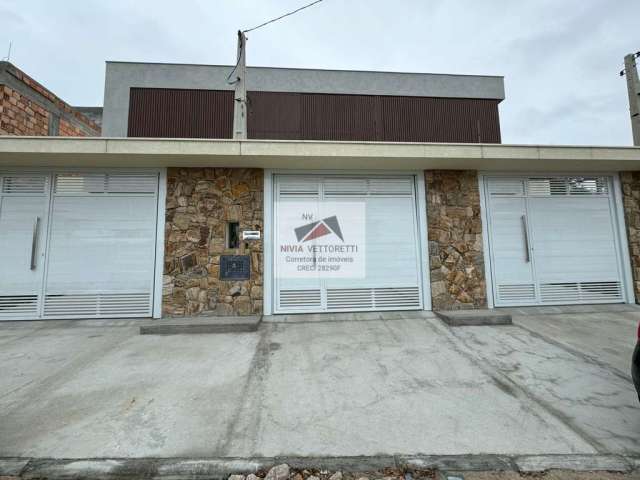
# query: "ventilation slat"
[[505, 186], [581, 292], [570, 186], [294, 186], [97, 305], [292, 299], [24, 185], [345, 186], [367, 186], [18, 305], [391, 186], [516, 293], [105, 183], [373, 298]]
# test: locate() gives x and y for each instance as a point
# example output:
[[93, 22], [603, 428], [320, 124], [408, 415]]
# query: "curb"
[[221, 468]]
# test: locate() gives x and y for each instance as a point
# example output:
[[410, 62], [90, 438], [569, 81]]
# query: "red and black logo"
[[319, 229]]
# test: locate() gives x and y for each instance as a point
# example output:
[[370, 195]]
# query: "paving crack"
[[510, 387]]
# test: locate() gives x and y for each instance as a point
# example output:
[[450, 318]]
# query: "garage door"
[[77, 244], [346, 244], [553, 240]]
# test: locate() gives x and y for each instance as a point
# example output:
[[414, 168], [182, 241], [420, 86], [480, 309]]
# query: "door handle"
[[34, 242], [526, 238]]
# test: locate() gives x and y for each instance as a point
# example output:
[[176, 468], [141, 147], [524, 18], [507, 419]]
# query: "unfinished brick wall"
[[28, 108], [20, 115], [455, 240]]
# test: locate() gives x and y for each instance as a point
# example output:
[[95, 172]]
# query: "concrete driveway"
[[550, 384]]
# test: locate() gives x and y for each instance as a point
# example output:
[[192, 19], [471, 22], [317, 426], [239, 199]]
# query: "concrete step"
[[461, 318], [197, 325]]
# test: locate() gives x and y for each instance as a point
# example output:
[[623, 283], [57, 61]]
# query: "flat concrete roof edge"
[[499, 146], [262, 67]]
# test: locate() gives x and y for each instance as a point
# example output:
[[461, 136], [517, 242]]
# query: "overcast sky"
[[560, 58]]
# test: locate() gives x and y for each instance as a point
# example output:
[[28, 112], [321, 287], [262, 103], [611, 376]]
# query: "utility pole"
[[633, 86], [240, 103]]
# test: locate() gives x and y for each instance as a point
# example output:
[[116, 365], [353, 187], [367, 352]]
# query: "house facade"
[[355, 191]]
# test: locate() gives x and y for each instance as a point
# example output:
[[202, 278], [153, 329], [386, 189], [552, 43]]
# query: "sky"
[[560, 58]]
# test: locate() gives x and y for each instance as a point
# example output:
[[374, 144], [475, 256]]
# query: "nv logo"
[[319, 229]]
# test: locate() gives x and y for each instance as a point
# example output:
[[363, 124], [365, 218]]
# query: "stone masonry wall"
[[455, 240], [631, 205], [200, 202]]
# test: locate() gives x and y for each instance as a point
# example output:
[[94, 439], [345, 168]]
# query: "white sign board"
[[321, 240]]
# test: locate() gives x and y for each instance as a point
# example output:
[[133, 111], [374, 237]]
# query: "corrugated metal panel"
[[421, 119], [274, 115], [372, 118], [177, 113]]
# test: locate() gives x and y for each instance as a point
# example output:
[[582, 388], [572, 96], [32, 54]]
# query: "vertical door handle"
[[526, 238], [34, 242]]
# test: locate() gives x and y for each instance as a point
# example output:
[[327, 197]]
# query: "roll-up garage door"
[[346, 244], [80, 244], [553, 240]]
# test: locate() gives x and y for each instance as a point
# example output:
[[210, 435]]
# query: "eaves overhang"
[[312, 155]]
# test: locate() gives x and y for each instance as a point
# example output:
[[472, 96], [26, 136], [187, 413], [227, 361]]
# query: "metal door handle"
[[34, 243], [526, 238]]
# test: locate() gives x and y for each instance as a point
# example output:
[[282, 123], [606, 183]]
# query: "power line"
[[234, 69], [281, 17]]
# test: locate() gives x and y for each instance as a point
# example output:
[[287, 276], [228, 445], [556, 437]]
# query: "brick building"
[[28, 108]]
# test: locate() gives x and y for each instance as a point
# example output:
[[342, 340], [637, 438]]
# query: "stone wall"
[[455, 240], [200, 202], [631, 204]]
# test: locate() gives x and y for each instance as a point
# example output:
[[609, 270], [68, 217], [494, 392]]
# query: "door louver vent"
[[99, 183], [368, 186], [98, 305], [581, 292], [18, 306], [300, 299], [391, 186], [505, 186], [376, 298], [298, 186], [567, 186], [131, 183], [516, 293], [397, 298], [23, 185], [345, 186], [345, 299]]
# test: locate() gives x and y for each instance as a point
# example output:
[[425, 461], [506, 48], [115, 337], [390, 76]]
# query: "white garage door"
[[77, 244], [553, 240], [372, 221]]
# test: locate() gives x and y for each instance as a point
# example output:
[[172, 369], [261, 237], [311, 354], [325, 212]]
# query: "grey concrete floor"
[[549, 384]]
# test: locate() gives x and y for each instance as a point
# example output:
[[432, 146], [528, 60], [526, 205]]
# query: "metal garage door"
[[377, 216], [77, 244], [553, 240]]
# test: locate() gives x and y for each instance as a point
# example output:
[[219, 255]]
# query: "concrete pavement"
[[401, 386]]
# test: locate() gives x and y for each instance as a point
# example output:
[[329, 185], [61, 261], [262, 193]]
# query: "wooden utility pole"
[[240, 104], [633, 86]]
